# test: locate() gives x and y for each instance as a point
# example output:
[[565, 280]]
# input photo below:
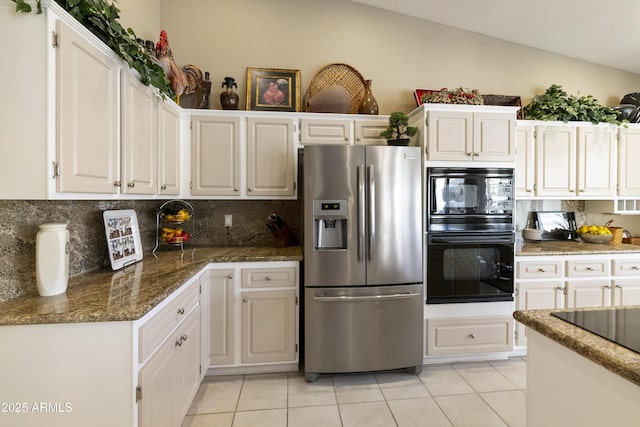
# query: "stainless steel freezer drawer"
[[362, 329]]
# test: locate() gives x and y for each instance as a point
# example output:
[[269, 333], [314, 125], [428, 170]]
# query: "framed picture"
[[273, 89], [123, 237]]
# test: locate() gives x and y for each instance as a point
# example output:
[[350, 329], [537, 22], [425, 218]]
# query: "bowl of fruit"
[[175, 236], [597, 234]]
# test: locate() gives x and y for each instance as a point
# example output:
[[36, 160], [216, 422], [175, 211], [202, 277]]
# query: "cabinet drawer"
[[539, 269], [469, 335], [626, 267], [588, 268], [154, 331], [268, 277]]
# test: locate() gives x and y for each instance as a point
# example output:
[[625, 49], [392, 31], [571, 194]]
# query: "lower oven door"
[[469, 267], [360, 329]]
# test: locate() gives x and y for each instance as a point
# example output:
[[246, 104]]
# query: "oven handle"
[[471, 239], [346, 298]]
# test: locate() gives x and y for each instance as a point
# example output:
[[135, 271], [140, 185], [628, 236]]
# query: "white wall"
[[397, 52]]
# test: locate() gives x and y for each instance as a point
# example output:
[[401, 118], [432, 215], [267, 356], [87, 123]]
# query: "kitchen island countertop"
[[614, 357], [128, 294], [564, 247]]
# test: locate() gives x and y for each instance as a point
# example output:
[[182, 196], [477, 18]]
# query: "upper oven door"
[[464, 199]]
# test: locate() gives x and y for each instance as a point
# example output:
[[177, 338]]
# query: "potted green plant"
[[556, 104], [398, 132]]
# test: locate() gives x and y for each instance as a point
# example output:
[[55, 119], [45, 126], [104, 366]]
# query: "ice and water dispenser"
[[330, 224]]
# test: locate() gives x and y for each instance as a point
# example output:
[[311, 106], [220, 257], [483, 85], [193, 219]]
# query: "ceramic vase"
[[368, 105], [52, 259], [229, 98]]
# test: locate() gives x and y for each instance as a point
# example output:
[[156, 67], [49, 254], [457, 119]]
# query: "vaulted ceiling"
[[602, 32]]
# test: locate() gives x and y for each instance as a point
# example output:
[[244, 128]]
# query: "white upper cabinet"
[[87, 116], [596, 161], [238, 155], [271, 157], [342, 129], [628, 155], [215, 156], [333, 131], [464, 133], [139, 157], [169, 153], [525, 161], [556, 161], [565, 160]]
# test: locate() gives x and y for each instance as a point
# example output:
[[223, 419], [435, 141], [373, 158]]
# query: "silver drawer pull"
[[619, 286], [589, 268], [183, 337], [472, 336], [635, 267], [179, 342], [541, 270], [181, 310], [268, 278], [368, 297], [607, 286]]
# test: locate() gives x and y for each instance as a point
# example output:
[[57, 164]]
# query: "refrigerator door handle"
[[368, 297], [371, 212], [361, 212]]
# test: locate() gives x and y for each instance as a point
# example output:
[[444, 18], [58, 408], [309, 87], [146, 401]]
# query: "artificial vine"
[[101, 18]]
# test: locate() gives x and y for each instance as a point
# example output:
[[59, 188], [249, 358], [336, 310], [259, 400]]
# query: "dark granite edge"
[[611, 356]]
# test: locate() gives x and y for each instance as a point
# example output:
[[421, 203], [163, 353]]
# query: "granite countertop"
[[564, 247], [607, 354], [130, 293]]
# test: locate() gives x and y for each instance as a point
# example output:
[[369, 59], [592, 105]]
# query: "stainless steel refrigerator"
[[364, 294]]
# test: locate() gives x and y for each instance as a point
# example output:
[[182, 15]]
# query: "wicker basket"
[[338, 75], [617, 234], [632, 240]]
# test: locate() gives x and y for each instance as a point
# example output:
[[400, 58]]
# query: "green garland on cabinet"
[[101, 18]]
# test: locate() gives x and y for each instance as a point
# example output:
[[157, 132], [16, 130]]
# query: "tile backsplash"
[[19, 220]]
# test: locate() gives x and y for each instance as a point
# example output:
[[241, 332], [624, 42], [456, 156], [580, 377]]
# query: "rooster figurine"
[[183, 80]]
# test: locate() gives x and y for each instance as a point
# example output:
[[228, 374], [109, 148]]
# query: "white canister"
[[52, 259]]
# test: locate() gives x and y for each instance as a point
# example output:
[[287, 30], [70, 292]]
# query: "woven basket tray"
[[338, 75]]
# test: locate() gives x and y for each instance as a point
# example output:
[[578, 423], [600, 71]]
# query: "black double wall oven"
[[470, 235]]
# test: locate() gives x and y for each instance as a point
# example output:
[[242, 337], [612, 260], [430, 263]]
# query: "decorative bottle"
[[52, 259], [229, 98], [368, 105]]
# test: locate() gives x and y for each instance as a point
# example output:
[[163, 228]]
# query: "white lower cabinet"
[[169, 379], [469, 335], [574, 281], [252, 324]]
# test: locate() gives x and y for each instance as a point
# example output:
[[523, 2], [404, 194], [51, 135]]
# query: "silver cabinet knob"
[[131, 184], [230, 276], [164, 187], [117, 184], [181, 310], [245, 299], [472, 336]]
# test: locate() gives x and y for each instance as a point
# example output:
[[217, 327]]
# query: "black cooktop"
[[620, 325]]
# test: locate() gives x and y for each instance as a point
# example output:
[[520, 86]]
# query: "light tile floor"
[[474, 394]]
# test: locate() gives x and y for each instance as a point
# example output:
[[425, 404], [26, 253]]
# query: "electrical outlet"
[[228, 221]]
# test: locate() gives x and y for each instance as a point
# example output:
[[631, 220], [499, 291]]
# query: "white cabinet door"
[[556, 161], [525, 161], [170, 379], [628, 155], [494, 137], [87, 116], [215, 156], [220, 303], [268, 326], [187, 364], [367, 132], [626, 292], [139, 158], [537, 295], [450, 135], [270, 157], [326, 131], [158, 386], [169, 157], [596, 161], [588, 293]]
